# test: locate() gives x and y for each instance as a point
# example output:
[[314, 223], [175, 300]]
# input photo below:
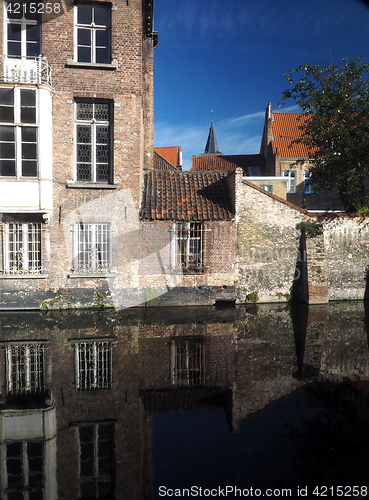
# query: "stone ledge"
[[23, 276], [75, 64]]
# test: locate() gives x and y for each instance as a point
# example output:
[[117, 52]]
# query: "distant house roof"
[[228, 163], [171, 154], [160, 163], [196, 196], [285, 129]]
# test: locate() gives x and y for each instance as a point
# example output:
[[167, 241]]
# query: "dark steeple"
[[212, 146]]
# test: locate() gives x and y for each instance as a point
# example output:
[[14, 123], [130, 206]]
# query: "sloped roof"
[[195, 196], [170, 154], [228, 163], [212, 145], [285, 129], [160, 163]]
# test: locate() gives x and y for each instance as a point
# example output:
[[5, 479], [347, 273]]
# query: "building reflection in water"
[[79, 389]]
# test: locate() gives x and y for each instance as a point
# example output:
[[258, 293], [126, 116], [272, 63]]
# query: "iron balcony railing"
[[25, 70]]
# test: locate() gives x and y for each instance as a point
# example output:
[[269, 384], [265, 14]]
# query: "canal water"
[[253, 401]]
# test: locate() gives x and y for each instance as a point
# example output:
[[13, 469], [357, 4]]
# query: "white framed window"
[[23, 248], [23, 29], [187, 361], [93, 363], [267, 187], [24, 368], [93, 142], [189, 247], [93, 33], [24, 465], [96, 460], [92, 247], [308, 188], [19, 130], [291, 180]]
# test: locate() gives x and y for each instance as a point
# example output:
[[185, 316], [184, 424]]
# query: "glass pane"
[[84, 54], [102, 55], [84, 37], [7, 133], [7, 114], [29, 134], [84, 111], [101, 112], [28, 115], [14, 32], [7, 168], [102, 16], [84, 15], [6, 97], [33, 33], [32, 49], [29, 168], [28, 98], [14, 450], [84, 135], [14, 49], [7, 150], [84, 172], [29, 151], [102, 38]]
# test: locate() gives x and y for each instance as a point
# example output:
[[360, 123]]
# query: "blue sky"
[[230, 57]]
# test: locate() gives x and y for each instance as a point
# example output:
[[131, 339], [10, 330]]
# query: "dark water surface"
[[261, 401]]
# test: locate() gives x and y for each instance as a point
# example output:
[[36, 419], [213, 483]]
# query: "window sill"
[[23, 276], [75, 64], [91, 185], [91, 275]]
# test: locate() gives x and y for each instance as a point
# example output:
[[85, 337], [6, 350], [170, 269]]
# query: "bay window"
[[18, 132]]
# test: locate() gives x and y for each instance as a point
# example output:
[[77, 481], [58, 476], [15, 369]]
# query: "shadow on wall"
[[299, 290], [366, 293]]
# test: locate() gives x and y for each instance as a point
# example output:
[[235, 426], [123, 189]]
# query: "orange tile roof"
[[160, 163], [227, 163], [196, 196], [170, 153], [285, 129]]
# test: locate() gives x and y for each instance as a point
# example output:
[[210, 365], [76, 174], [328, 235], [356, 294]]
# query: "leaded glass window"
[[93, 140]]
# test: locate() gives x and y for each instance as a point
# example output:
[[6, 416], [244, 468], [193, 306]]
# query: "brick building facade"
[[75, 136]]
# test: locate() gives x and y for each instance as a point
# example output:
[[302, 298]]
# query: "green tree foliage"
[[335, 101]]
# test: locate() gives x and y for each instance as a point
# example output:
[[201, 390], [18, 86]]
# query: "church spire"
[[212, 146]]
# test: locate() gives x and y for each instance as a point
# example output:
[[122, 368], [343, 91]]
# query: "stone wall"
[[267, 243], [346, 242]]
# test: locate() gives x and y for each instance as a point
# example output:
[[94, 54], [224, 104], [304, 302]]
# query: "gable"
[[285, 130]]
